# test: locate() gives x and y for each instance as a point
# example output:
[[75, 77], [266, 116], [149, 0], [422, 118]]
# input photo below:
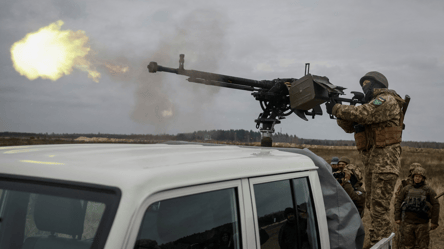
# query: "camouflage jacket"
[[357, 195], [384, 110], [356, 171], [414, 217]]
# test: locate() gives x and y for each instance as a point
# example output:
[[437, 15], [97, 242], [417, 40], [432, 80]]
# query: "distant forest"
[[244, 136], [240, 136]]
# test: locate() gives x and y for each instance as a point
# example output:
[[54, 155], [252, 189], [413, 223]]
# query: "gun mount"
[[278, 98]]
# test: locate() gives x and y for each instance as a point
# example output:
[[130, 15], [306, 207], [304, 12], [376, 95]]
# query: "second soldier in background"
[[415, 206], [350, 178]]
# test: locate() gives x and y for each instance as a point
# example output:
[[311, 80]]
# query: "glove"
[[329, 106]]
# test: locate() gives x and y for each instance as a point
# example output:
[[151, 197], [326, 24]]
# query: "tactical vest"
[[381, 136], [416, 201]]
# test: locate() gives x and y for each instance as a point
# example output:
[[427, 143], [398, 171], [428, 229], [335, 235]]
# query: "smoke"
[[161, 99]]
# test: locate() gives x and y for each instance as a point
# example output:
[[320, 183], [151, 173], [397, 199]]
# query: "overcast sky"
[[258, 39]]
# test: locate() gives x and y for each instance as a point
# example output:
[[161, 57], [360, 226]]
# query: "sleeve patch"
[[379, 101]]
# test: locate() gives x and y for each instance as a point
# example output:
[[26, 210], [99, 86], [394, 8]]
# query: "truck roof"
[[155, 167]]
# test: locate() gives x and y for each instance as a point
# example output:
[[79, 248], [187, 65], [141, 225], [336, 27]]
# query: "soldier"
[[414, 207], [352, 183], [377, 125], [405, 182], [351, 169], [408, 180]]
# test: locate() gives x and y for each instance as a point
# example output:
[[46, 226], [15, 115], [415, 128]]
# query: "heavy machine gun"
[[278, 98]]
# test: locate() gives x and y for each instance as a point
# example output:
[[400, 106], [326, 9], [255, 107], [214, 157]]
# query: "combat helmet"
[[412, 167], [419, 171], [376, 76], [345, 160]]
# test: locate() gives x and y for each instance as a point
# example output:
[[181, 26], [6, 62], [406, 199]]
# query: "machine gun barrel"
[[223, 84], [212, 78]]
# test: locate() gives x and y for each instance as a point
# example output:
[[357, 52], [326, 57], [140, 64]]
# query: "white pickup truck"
[[172, 196]]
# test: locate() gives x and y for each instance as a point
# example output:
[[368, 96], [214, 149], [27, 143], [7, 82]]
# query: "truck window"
[[206, 220], [90, 214], [50, 216], [286, 216]]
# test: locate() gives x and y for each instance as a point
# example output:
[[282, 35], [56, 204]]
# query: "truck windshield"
[[54, 214]]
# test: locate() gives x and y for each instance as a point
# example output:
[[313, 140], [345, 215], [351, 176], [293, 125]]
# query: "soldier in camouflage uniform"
[[377, 125], [352, 183], [405, 182], [415, 206], [351, 169]]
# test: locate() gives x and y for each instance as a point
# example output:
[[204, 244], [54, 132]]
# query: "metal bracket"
[[181, 61], [307, 68]]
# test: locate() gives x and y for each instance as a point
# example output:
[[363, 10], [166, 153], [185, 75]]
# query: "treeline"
[[76, 135], [244, 136]]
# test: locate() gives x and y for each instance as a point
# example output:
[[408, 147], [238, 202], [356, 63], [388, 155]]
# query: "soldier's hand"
[[433, 226], [329, 106], [398, 222]]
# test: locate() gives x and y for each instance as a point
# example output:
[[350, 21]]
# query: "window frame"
[[48, 186], [137, 219], [316, 194]]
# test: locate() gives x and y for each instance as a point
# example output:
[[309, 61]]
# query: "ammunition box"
[[307, 92]]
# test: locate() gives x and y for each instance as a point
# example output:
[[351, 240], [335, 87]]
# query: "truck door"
[[286, 211], [207, 216]]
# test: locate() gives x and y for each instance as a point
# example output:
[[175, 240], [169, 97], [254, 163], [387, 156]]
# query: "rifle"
[[278, 98]]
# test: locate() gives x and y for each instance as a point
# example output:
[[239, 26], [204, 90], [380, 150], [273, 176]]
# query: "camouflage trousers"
[[381, 173], [414, 234]]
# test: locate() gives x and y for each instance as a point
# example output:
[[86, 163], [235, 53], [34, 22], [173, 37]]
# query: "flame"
[[116, 69], [51, 53]]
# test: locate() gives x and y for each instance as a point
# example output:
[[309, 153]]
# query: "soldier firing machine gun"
[[278, 98]]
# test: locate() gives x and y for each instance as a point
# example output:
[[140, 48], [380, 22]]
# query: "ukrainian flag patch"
[[379, 101]]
